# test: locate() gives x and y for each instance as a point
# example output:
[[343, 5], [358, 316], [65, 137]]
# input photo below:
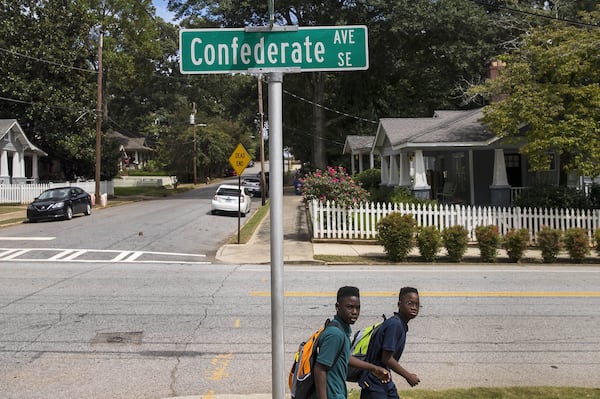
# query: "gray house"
[[18, 156], [359, 147], [454, 158]]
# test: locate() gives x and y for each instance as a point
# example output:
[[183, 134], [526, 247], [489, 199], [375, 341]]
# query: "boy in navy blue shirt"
[[386, 347]]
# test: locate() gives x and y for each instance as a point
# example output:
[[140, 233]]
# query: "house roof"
[[444, 129], [11, 125], [358, 144], [130, 142]]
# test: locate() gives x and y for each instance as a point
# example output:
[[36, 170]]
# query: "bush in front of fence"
[[597, 240], [515, 243], [549, 241], [429, 242], [455, 239], [577, 243], [333, 184], [396, 233], [488, 239]]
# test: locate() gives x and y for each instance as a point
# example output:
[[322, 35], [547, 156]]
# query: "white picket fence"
[[26, 193], [332, 222]]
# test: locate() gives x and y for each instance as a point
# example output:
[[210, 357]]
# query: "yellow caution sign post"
[[239, 160]]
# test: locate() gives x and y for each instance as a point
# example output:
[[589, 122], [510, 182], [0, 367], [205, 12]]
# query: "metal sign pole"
[[276, 214]]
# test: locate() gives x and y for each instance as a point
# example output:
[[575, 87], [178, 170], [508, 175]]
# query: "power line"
[[329, 109], [535, 14], [47, 62]]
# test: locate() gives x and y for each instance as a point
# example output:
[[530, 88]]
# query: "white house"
[[18, 156]]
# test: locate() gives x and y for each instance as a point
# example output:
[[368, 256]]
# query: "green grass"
[[251, 225], [497, 393]]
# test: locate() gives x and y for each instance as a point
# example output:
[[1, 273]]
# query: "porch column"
[[360, 163], [35, 175], [404, 170], [420, 189], [384, 170], [352, 168], [500, 189], [394, 170], [18, 168], [4, 176], [371, 160]]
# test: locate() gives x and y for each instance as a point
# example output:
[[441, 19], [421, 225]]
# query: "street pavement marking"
[[236, 323], [27, 238], [121, 256], [541, 294], [220, 364]]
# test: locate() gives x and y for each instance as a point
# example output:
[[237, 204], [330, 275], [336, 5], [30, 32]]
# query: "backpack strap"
[[329, 323]]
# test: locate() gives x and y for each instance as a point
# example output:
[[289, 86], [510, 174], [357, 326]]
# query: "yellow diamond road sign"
[[239, 159]]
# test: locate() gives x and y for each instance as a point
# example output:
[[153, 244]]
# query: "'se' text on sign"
[[340, 48]]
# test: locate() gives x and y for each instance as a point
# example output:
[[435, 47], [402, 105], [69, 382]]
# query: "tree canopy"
[[550, 93], [422, 54]]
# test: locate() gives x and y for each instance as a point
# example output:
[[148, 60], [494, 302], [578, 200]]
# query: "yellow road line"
[[220, 363], [542, 294]]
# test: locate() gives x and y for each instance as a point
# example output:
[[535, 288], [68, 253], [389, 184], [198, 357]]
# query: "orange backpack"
[[301, 379]]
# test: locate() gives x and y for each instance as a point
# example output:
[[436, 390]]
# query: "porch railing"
[[332, 222]]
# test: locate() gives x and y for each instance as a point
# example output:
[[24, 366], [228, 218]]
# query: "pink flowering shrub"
[[333, 184]]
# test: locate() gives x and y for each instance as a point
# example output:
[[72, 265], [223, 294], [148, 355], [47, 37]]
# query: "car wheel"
[[88, 209], [69, 213]]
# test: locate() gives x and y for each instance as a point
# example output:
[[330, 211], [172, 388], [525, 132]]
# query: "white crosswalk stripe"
[[98, 256]]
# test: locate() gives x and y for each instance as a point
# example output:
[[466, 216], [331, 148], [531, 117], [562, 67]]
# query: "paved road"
[[173, 229], [159, 330]]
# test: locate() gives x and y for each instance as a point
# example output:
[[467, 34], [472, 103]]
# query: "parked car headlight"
[[58, 205]]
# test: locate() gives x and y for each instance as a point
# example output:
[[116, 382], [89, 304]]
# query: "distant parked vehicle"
[[228, 198], [252, 185], [59, 203]]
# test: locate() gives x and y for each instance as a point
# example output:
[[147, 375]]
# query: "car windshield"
[[54, 194], [229, 191]]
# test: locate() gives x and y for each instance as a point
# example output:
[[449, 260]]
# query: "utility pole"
[[261, 132], [99, 120], [193, 122]]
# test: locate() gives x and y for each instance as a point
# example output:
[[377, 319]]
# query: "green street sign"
[[305, 49]]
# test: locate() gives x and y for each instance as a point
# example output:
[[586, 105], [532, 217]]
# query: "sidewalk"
[[298, 248]]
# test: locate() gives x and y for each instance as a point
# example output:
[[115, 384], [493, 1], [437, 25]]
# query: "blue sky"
[[161, 10]]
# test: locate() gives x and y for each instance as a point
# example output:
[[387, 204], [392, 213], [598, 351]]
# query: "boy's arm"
[[320, 374], [379, 372], [388, 359]]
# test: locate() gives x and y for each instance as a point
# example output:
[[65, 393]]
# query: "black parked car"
[[59, 203]]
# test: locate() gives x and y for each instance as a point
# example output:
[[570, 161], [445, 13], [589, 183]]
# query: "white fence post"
[[332, 222]]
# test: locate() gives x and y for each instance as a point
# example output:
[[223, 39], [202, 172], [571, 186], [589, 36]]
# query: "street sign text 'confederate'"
[[334, 48]]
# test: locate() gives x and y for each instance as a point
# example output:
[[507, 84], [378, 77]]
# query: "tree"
[[551, 94]]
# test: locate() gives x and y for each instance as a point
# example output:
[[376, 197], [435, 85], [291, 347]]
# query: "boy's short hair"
[[407, 290], [347, 291]]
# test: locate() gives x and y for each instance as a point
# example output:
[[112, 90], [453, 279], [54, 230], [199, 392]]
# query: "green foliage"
[[429, 242], [551, 85], [488, 239], [577, 243], [549, 242], [515, 243], [597, 240], [333, 184], [455, 239], [369, 180], [546, 196], [396, 233]]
